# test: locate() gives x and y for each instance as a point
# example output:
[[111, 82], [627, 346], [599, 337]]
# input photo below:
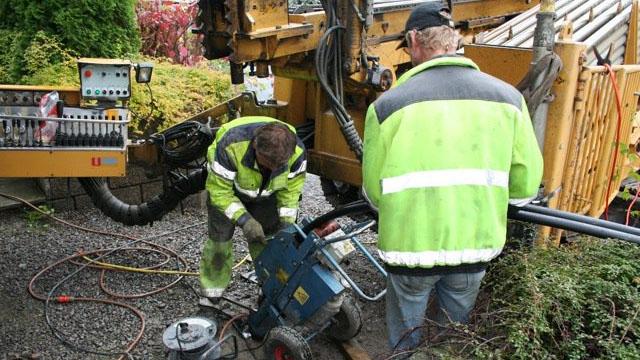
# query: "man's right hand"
[[253, 231]]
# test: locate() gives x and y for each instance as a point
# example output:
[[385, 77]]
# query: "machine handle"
[[356, 230], [359, 228]]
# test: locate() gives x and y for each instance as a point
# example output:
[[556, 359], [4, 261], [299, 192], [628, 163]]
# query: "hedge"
[[105, 28]]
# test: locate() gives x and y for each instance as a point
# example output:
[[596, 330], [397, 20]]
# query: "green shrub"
[[105, 28], [43, 52], [10, 56], [580, 301]]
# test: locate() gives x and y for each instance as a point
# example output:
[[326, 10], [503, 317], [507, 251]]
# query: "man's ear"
[[412, 35]]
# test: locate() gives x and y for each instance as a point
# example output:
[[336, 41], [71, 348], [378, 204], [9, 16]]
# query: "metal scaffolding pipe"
[[599, 22], [570, 11]]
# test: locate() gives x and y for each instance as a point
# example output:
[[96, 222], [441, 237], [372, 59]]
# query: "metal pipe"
[[615, 31], [581, 218], [575, 11], [524, 34], [600, 21], [494, 35], [571, 225]]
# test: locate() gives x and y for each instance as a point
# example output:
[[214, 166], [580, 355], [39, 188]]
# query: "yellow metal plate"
[[62, 163], [509, 64], [301, 295], [282, 275]]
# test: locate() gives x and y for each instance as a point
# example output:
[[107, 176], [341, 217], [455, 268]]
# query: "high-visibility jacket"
[[444, 151], [233, 172]]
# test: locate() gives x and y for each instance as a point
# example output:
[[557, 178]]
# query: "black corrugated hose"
[[181, 146], [147, 212]]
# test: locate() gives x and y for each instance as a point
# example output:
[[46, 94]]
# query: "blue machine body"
[[294, 283]]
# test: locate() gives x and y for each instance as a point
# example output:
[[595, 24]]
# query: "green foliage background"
[[104, 28], [580, 301]]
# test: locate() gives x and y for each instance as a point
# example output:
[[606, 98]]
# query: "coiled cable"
[[183, 143]]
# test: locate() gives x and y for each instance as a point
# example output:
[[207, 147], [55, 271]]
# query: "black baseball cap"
[[430, 14]]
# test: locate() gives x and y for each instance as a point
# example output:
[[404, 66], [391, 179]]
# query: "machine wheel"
[[348, 322], [284, 343]]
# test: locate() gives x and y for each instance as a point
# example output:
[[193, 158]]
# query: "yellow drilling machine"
[[575, 61]]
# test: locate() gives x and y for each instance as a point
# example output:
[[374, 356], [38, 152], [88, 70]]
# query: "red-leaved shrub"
[[165, 30]]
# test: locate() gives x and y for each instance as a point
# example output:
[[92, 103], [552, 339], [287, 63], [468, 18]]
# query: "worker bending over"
[[444, 152], [255, 176]]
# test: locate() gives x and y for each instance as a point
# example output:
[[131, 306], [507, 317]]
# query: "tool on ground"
[[194, 338]]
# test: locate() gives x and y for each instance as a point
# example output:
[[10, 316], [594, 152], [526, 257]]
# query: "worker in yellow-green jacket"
[[256, 170], [445, 151]]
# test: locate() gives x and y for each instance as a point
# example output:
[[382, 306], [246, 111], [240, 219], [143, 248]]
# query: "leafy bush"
[[105, 28], [580, 301], [44, 51], [10, 69], [178, 93], [164, 31]]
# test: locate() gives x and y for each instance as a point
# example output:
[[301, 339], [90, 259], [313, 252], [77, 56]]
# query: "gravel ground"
[[27, 246]]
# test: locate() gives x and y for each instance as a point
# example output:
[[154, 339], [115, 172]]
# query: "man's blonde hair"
[[438, 38]]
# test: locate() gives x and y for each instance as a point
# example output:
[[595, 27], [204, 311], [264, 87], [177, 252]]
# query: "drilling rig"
[[330, 59]]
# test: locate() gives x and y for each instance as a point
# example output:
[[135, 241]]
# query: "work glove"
[[253, 231]]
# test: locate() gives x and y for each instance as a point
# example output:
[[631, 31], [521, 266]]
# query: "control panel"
[[48, 131], [105, 80]]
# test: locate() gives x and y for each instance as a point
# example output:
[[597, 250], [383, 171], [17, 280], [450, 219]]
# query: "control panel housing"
[[104, 79]]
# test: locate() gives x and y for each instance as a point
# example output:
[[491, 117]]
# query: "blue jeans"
[[407, 298]]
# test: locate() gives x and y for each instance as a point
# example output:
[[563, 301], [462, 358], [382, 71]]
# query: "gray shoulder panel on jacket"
[[235, 134], [446, 83]]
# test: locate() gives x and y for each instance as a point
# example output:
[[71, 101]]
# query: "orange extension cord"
[[76, 259]]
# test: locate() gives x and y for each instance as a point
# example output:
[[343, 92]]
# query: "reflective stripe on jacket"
[[234, 173], [444, 151]]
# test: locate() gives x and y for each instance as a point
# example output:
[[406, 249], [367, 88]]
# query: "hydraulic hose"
[[147, 212]]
